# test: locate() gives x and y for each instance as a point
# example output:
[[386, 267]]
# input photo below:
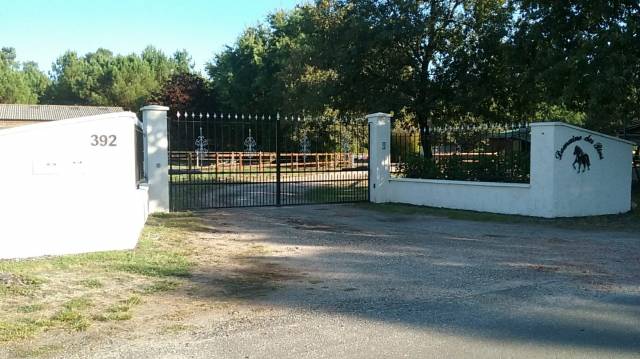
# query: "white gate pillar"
[[156, 156], [379, 155]]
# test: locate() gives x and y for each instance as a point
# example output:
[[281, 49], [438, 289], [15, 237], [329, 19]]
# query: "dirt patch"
[[311, 226], [184, 267], [288, 278], [80, 304]]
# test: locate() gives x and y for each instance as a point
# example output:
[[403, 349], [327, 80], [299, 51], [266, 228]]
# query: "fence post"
[[154, 119], [379, 155]]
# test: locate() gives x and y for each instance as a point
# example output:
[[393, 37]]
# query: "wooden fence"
[[261, 161]]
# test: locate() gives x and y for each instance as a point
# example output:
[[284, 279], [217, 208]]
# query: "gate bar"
[[278, 183]]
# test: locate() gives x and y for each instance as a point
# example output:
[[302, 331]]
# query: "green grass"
[[21, 329], [73, 315], [150, 258], [161, 286], [628, 221], [78, 304], [160, 259], [30, 308], [346, 193], [16, 283], [120, 311], [72, 318], [92, 283], [147, 259]]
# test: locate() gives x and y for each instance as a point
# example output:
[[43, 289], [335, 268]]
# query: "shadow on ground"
[[502, 282]]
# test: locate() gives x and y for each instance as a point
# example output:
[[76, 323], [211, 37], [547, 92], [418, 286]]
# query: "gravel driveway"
[[350, 282]]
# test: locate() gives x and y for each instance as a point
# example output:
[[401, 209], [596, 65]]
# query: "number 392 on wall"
[[104, 140]]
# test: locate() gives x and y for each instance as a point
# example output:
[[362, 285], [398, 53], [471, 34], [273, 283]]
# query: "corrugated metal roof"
[[51, 112]]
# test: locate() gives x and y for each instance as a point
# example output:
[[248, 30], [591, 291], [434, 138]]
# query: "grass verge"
[[77, 291]]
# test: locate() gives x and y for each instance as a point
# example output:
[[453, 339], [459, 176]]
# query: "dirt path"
[[342, 281]]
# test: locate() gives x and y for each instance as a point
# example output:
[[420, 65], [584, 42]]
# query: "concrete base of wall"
[[107, 230], [491, 197], [504, 198]]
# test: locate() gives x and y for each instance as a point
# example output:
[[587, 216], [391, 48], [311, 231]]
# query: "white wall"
[[605, 188], [60, 195], [555, 189], [474, 196]]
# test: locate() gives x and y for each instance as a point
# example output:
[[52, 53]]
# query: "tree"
[[36, 79], [19, 83], [104, 79], [581, 57], [416, 57], [239, 74], [284, 65], [186, 92]]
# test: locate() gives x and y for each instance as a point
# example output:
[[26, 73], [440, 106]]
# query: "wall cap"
[[69, 122], [378, 114], [462, 183], [154, 108], [613, 138]]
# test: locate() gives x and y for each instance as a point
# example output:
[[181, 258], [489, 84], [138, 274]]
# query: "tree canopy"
[[20, 83], [429, 62], [102, 78], [441, 61]]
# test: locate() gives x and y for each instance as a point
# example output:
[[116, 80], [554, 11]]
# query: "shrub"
[[454, 168], [416, 166], [511, 167]]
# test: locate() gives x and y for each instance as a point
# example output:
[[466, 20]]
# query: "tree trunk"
[[425, 138]]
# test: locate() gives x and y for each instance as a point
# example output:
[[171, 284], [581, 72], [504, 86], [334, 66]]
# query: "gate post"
[[379, 155], [156, 156]]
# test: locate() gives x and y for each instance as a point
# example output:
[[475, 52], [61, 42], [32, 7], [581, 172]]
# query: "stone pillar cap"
[[378, 114], [154, 108]]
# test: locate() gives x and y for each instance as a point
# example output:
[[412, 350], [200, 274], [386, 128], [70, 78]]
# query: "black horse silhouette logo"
[[582, 160]]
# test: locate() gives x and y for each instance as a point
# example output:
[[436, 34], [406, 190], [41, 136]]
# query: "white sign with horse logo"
[[582, 161]]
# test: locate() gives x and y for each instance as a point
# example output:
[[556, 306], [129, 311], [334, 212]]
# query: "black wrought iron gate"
[[229, 160]]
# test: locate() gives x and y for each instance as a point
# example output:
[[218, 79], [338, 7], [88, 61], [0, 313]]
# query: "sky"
[[42, 30]]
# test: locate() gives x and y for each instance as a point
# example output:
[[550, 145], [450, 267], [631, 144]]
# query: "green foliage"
[[427, 62], [102, 78], [547, 112], [416, 166], [581, 56], [454, 169], [186, 92], [20, 83], [441, 62], [504, 167]]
